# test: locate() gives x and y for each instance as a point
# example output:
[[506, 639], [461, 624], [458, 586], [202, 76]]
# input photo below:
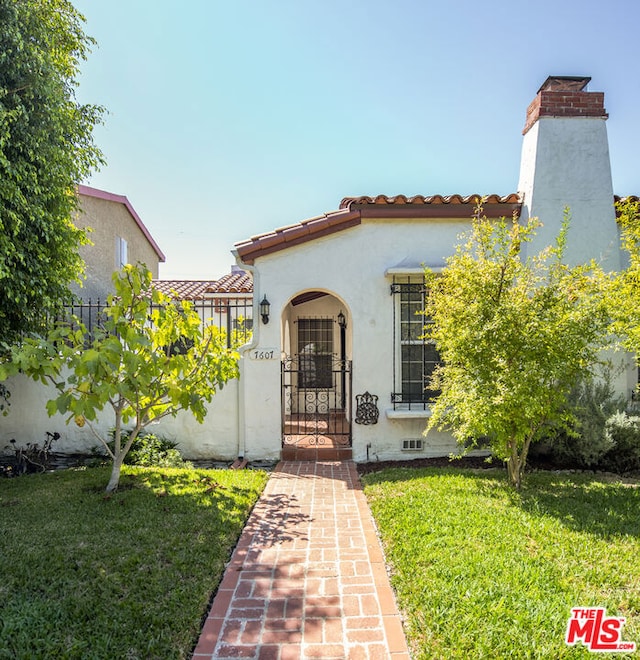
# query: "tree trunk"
[[517, 461], [114, 480], [514, 466]]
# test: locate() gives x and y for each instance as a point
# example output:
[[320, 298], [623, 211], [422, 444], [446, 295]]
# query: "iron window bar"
[[417, 354]]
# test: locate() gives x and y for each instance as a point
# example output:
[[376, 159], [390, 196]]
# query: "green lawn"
[[482, 571], [127, 576]]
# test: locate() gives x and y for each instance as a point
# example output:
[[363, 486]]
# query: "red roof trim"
[[466, 211], [121, 199], [307, 230], [353, 209]]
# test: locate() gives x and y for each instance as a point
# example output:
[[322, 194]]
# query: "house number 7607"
[[268, 354]]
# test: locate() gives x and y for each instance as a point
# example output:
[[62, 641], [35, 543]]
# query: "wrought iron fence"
[[234, 316]]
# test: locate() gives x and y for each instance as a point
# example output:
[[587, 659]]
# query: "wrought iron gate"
[[316, 401]]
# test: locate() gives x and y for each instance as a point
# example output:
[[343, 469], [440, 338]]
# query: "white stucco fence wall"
[[27, 421]]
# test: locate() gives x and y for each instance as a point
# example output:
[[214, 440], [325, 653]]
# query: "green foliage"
[[149, 450], [46, 149], [483, 571], [591, 403], [241, 334], [514, 333], [128, 575], [625, 295], [128, 365], [623, 431]]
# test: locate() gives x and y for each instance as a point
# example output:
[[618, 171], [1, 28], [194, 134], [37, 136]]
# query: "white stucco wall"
[[565, 163], [27, 421], [350, 265]]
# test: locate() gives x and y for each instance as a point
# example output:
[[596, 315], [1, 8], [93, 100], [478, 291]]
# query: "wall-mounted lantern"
[[342, 321], [265, 306]]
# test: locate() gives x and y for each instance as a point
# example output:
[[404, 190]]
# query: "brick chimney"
[[565, 96]]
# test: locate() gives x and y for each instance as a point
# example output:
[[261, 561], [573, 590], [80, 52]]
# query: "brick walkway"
[[307, 578]]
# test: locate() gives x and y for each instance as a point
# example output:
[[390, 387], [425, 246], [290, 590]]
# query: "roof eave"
[[353, 209], [446, 211], [259, 246]]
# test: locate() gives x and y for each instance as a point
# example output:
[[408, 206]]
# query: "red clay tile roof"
[[235, 283], [419, 200], [232, 283], [353, 209]]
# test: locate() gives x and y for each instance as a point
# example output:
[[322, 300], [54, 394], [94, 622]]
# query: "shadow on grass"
[[598, 504], [584, 503], [198, 488]]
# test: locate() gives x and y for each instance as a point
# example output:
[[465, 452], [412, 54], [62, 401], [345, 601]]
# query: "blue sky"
[[228, 119]]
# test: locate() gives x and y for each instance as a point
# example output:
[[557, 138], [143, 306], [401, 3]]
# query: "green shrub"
[[148, 450], [585, 441], [623, 431]]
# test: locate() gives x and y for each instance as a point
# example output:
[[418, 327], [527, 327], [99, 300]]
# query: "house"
[[341, 368], [118, 237], [335, 365]]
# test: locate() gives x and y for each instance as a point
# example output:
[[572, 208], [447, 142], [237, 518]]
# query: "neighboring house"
[[336, 365], [118, 237]]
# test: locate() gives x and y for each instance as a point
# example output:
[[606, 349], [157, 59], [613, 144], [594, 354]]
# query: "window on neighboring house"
[[122, 253], [315, 353], [415, 356]]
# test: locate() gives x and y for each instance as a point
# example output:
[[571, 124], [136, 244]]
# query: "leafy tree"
[[151, 359], [46, 149], [514, 335], [625, 297]]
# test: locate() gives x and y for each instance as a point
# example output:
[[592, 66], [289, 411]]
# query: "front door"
[[316, 400]]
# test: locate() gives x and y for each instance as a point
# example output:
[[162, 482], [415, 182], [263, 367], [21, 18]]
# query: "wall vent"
[[412, 444]]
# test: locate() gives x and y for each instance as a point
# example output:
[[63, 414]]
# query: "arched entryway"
[[316, 377]]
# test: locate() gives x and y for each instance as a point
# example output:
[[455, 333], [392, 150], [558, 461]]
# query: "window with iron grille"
[[415, 356], [315, 353]]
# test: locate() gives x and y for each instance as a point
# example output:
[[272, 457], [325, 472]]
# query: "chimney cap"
[[565, 83]]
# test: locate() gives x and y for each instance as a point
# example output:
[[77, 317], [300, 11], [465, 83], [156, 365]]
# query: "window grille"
[[412, 444], [415, 356]]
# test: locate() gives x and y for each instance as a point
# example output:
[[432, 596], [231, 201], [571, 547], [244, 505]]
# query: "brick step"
[[293, 453]]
